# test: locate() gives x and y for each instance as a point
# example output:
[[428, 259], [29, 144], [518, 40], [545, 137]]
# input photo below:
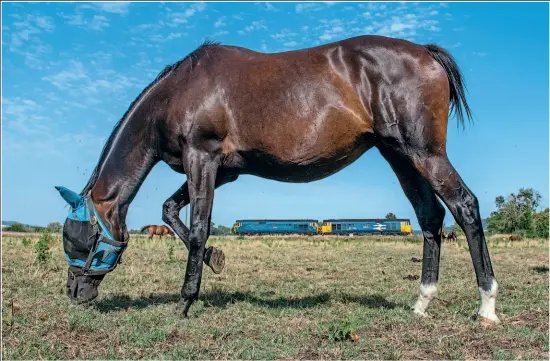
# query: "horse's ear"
[[69, 196]]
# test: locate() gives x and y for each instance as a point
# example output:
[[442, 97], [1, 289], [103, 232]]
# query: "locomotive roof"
[[368, 220], [277, 220]]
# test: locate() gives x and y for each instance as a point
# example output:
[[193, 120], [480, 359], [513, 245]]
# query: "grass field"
[[295, 298]]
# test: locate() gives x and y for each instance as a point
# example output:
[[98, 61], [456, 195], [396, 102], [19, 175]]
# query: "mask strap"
[[73, 288], [93, 222]]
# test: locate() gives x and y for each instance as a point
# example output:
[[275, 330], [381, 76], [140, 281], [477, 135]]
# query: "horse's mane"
[[193, 59]]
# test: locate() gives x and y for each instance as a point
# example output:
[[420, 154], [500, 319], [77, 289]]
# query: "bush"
[[26, 241], [42, 249]]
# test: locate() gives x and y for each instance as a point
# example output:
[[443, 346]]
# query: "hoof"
[[487, 321], [419, 313], [183, 307], [215, 259]]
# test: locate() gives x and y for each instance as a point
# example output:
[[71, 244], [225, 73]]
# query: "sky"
[[70, 71]]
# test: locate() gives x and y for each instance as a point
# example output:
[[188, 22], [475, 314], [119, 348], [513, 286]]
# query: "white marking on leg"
[[427, 293], [488, 301]]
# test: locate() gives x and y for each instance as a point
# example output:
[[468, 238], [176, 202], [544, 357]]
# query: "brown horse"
[[157, 231], [451, 237], [514, 237], [295, 116]]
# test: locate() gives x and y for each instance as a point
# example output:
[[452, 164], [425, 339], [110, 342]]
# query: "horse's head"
[[90, 248]]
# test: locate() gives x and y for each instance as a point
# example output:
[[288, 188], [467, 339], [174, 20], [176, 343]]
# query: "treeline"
[[518, 214], [54, 227]]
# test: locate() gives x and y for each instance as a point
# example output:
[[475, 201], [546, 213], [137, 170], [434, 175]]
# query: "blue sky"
[[70, 70]]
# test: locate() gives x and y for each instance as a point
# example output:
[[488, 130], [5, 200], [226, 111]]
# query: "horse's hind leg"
[[430, 213], [437, 170], [201, 184], [448, 184]]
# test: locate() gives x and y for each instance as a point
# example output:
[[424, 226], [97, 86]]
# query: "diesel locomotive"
[[326, 227]]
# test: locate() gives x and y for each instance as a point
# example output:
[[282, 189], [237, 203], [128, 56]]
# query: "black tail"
[[458, 89], [144, 228]]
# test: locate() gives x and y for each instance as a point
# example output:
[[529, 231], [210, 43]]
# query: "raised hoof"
[[215, 259]]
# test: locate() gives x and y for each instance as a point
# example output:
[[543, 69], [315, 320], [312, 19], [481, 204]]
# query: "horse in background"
[[157, 231], [451, 236]]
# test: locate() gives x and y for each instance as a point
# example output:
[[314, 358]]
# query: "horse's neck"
[[123, 171]]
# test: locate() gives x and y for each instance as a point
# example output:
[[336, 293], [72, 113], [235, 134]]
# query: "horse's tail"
[[456, 83], [144, 228]]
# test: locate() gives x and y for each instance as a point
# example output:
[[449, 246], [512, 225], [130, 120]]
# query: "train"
[[373, 226]]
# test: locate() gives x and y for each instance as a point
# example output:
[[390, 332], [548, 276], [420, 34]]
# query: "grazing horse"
[[514, 237], [451, 237], [295, 116], [157, 231]]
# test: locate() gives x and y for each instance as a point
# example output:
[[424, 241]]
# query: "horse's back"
[[297, 110]]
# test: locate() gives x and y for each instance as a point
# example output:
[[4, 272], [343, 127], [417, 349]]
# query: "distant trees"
[[540, 223], [16, 227], [54, 227], [219, 230], [518, 214], [456, 228], [391, 216]]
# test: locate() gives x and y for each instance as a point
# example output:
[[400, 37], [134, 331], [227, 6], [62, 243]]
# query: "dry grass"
[[293, 298]]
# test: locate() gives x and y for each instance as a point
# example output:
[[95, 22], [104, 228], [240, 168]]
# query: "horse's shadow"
[[222, 299]]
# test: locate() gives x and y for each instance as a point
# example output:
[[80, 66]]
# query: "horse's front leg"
[[201, 185], [213, 257]]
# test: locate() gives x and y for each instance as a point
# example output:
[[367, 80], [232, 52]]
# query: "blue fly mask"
[[89, 246]]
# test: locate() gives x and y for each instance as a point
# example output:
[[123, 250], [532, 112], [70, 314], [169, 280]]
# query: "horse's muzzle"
[[81, 288]]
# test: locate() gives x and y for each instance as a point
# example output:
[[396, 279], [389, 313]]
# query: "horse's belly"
[[305, 167]]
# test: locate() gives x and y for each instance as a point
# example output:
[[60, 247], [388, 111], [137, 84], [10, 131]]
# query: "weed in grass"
[[393, 353], [170, 251], [540, 269], [26, 242], [337, 331], [503, 355], [42, 249]]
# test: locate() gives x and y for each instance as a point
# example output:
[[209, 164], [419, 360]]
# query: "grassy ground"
[[309, 298]]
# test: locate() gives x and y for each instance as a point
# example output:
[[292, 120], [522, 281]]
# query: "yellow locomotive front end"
[[326, 227], [235, 226], [406, 227]]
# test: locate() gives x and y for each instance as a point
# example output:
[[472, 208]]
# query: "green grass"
[[291, 298]]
